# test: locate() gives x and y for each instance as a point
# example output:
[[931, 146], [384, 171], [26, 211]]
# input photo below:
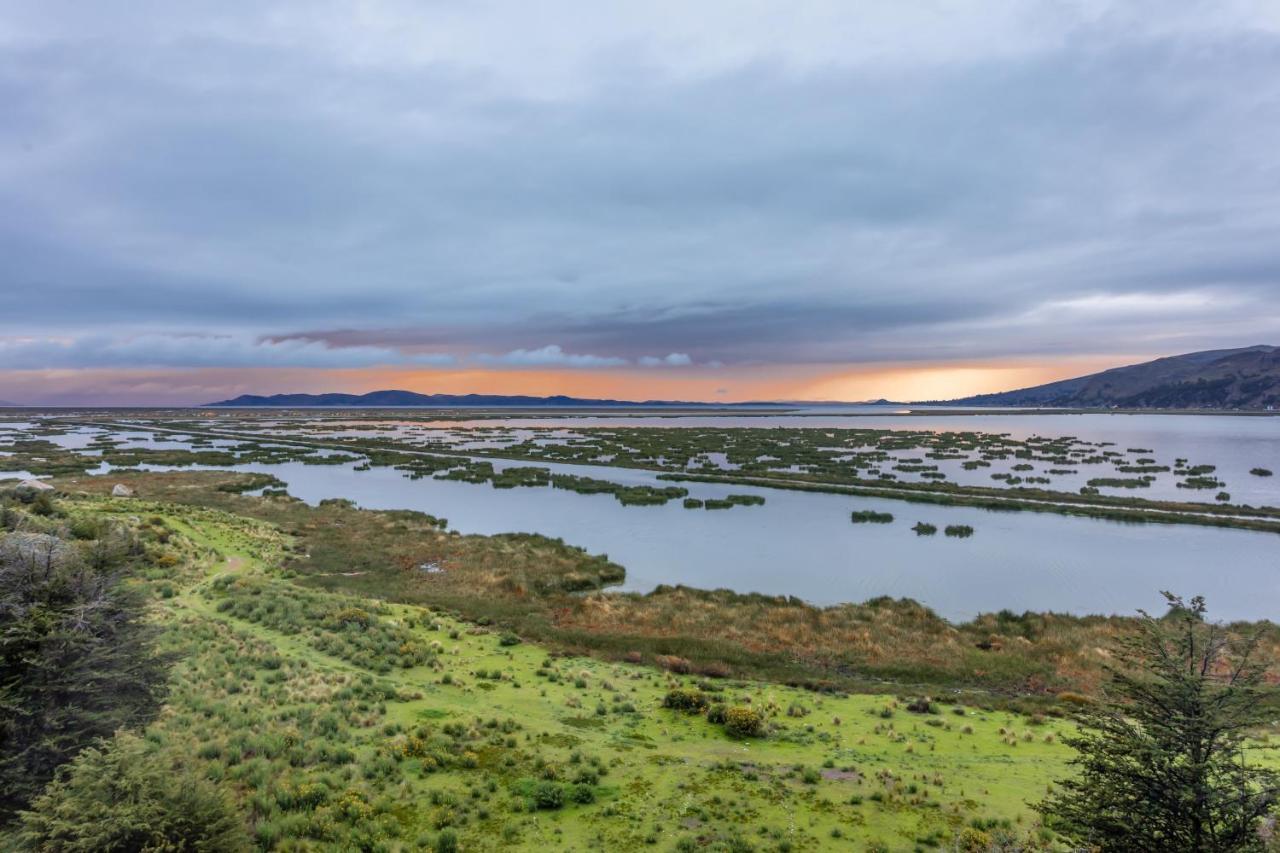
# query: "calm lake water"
[[804, 544]]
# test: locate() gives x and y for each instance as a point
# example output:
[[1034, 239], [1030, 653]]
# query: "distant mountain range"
[[1246, 378], [381, 399], [7, 404]]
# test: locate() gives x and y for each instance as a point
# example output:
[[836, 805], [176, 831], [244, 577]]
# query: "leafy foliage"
[[1163, 764], [124, 796], [744, 722], [76, 659]]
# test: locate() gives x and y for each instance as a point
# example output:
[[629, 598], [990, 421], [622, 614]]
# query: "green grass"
[[351, 723]]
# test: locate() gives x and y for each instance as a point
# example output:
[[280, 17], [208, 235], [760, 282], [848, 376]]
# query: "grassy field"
[[335, 669], [344, 722]]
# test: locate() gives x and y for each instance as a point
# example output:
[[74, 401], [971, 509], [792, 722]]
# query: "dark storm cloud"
[[587, 192], [712, 331]]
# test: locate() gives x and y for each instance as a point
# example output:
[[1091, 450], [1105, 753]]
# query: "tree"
[[127, 796], [77, 661], [1162, 760]]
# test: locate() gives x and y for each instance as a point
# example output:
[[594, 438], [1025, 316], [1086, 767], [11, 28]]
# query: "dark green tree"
[[128, 796], [77, 660], [1162, 760]]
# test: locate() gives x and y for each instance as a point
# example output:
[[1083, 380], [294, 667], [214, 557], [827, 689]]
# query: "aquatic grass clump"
[[870, 516], [958, 531], [1260, 472], [1201, 483], [923, 529], [1122, 482]]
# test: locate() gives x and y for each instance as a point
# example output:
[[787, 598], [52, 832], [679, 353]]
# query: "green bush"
[[744, 722], [686, 699], [77, 661], [125, 796], [548, 795]]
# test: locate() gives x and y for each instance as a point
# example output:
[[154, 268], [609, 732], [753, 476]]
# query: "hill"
[[379, 399], [1246, 378]]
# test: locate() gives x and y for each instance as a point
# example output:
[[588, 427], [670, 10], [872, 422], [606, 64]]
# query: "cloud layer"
[[668, 185]]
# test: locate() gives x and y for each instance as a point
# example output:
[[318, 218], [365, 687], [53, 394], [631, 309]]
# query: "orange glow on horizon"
[[900, 382]]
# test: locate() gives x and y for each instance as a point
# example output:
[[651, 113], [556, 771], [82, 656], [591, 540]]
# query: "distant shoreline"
[[778, 410]]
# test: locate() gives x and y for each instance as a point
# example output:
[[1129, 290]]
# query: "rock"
[[120, 490], [35, 485]]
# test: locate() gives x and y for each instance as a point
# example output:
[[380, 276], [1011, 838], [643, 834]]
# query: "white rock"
[[120, 490]]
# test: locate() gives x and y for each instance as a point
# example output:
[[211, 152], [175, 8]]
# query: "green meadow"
[[343, 722], [357, 680]]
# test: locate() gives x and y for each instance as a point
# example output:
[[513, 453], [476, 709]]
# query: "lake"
[[804, 544]]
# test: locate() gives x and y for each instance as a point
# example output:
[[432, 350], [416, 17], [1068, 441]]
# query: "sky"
[[661, 200]]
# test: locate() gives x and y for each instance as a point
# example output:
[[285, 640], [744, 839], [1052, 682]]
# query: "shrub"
[[714, 669], [77, 661], [582, 794], [686, 699], [548, 796], [971, 840], [743, 722], [671, 663], [123, 796], [447, 842], [508, 639]]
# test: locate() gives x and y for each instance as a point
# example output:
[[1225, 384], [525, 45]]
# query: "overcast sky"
[[708, 198]]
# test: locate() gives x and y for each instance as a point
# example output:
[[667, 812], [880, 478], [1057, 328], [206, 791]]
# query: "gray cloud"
[[154, 350], [296, 188]]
